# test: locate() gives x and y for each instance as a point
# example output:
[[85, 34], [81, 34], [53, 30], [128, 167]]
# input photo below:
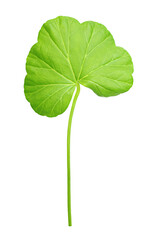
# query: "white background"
[[111, 155]]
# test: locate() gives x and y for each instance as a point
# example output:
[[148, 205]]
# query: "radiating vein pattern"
[[68, 52]]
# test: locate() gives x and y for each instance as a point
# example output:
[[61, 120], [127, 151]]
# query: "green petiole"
[[68, 156]]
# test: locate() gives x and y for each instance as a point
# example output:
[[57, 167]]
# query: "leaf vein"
[[85, 54], [67, 51], [49, 67], [103, 65], [100, 85], [59, 100], [98, 45], [48, 97], [54, 42]]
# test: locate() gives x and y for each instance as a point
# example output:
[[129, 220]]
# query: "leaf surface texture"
[[68, 53]]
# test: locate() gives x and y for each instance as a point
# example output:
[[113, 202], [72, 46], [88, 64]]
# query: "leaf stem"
[[68, 156]]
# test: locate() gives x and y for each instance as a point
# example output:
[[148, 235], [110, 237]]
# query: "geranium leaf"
[[68, 53]]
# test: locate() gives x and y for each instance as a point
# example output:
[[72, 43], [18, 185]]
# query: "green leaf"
[[68, 53]]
